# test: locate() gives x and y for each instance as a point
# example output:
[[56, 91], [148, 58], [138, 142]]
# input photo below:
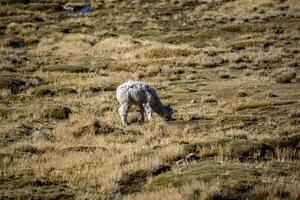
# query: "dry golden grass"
[[244, 147]]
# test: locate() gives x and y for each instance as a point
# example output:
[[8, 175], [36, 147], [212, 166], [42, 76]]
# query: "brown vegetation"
[[220, 64]]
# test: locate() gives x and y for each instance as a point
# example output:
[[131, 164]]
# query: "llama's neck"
[[158, 108]]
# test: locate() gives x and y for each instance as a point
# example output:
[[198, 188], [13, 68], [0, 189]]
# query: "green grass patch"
[[261, 104], [165, 52], [243, 44], [292, 141], [206, 34], [210, 142], [245, 150], [50, 91], [30, 187], [232, 148], [66, 68], [235, 177], [238, 118], [183, 90], [234, 180], [232, 28], [176, 39]]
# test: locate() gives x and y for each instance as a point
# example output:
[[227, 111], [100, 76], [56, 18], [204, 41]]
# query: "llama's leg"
[[141, 116], [148, 111], [123, 112]]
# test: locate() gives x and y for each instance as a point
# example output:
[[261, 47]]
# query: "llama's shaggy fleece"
[[144, 96]]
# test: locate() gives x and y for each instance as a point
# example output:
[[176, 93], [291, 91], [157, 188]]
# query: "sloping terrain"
[[229, 68]]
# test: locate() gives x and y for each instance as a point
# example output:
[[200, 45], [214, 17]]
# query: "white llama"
[[144, 96]]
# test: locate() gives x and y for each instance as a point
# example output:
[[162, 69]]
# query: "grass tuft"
[[285, 75], [43, 91], [245, 150], [58, 112], [4, 112], [12, 81], [209, 99]]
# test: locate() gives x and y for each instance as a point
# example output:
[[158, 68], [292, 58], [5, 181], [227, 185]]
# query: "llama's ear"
[[168, 106]]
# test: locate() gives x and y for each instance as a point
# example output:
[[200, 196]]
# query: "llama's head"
[[168, 111]]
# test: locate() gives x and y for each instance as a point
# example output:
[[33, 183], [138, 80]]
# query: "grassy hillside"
[[229, 68]]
